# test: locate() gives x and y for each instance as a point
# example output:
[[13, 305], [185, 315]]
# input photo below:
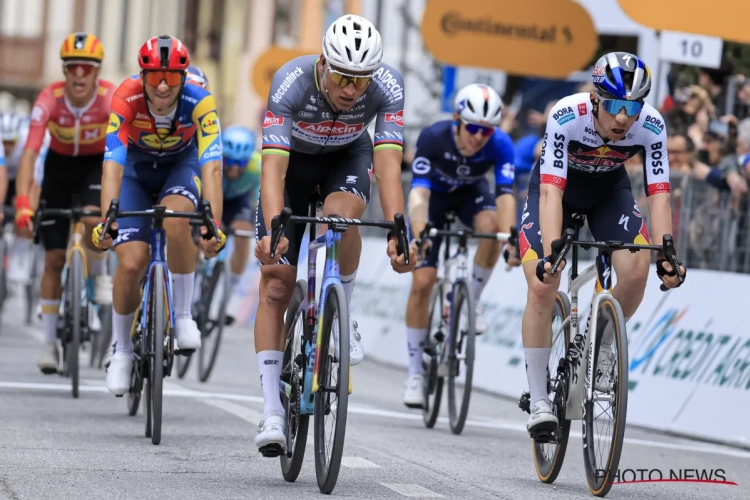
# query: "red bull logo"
[[527, 253], [602, 156], [642, 237]]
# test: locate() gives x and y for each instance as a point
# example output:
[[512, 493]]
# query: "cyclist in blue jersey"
[[196, 75], [449, 169]]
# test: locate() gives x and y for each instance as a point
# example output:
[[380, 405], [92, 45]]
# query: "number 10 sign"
[[687, 48]]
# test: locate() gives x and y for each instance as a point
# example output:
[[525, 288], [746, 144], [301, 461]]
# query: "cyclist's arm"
[[37, 128], [208, 138], [389, 149], [657, 184], [504, 178], [553, 174], [421, 183], [116, 149]]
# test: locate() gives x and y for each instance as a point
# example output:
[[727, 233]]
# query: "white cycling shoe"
[[103, 290], [118, 373], [271, 439], [480, 322], [188, 334], [48, 358], [541, 419], [414, 391], [356, 350]]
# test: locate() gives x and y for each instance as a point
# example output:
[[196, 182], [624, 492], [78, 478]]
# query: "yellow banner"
[[532, 38]]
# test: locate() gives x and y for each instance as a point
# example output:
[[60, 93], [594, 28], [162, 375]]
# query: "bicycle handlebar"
[[510, 238], [562, 246], [44, 213], [397, 227]]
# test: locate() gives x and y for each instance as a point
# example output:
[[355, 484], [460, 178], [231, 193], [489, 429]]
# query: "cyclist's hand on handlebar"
[[667, 275], [24, 215], [397, 261], [213, 246], [263, 250], [510, 254], [96, 234], [543, 268]]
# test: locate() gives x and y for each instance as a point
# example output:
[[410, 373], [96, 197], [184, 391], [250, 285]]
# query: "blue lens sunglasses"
[[614, 106]]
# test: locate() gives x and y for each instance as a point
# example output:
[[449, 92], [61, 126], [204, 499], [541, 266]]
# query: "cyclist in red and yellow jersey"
[[163, 144], [75, 112]]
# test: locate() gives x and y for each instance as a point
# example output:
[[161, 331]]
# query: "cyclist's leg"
[[54, 235], [237, 214], [181, 192]]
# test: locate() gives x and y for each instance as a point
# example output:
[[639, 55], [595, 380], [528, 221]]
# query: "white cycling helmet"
[[11, 125], [352, 43], [480, 104]]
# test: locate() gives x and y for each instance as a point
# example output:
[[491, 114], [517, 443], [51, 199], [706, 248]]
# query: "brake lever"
[[208, 221], [402, 247], [38, 216], [560, 249], [671, 254], [421, 246], [278, 224]]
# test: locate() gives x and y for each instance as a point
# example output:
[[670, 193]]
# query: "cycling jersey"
[[299, 118], [247, 182], [439, 167], [574, 154], [73, 131], [132, 127]]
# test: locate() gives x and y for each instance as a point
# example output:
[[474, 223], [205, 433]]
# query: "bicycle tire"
[[136, 386], [157, 325], [462, 345], [328, 465], [600, 484], [31, 288], [296, 424], [213, 330], [547, 469], [183, 363], [75, 313], [433, 383], [105, 336]]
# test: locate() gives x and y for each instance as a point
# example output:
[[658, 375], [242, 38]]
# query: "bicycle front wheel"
[[75, 315], [434, 345], [213, 327], [332, 398], [604, 415], [156, 326], [461, 356], [550, 454], [293, 377]]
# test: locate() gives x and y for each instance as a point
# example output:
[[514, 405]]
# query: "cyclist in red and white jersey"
[[588, 139], [75, 112]]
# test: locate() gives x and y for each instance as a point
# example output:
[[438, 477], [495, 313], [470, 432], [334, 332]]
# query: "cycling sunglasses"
[[230, 162], [344, 79], [473, 128], [80, 68], [154, 78], [613, 106]]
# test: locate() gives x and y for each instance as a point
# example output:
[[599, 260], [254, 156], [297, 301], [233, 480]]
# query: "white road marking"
[[244, 412], [358, 463], [411, 490], [504, 425]]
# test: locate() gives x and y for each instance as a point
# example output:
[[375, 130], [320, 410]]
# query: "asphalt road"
[[52, 446]]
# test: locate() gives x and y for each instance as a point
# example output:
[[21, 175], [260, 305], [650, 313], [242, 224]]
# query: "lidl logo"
[[155, 142], [210, 123], [115, 122]]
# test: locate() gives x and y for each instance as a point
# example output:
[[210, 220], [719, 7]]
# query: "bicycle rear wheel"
[[293, 376], [75, 315], [434, 345], [156, 326], [550, 454], [213, 326], [332, 398], [602, 437], [461, 355]]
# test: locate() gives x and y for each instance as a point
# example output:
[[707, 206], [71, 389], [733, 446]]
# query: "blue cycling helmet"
[[238, 142], [195, 74], [621, 75]]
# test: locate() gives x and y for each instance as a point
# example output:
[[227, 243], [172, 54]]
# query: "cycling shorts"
[[68, 181], [348, 170], [611, 213], [147, 181], [236, 209], [466, 202]]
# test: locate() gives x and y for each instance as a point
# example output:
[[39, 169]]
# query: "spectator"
[[742, 103], [714, 81]]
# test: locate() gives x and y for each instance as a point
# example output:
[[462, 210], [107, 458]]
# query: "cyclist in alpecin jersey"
[[589, 138], [315, 136], [163, 147], [74, 112]]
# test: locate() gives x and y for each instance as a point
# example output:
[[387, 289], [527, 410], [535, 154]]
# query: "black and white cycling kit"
[[591, 174], [327, 150]]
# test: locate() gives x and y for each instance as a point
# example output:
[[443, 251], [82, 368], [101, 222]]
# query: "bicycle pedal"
[[119, 395], [543, 437], [228, 320], [184, 352], [272, 450]]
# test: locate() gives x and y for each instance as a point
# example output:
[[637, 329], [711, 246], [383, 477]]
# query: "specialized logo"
[[397, 118], [564, 115], [271, 120], [653, 124], [210, 123], [389, 83], [286, 84], [330, 127], [115, 122]]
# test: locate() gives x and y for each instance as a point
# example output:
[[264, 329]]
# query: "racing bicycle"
[[314, 380], [153, 325], [451, 337], [586, 380]]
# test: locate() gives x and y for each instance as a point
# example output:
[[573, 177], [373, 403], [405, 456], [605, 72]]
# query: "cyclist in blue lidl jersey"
[[241, 188], [196, 75], [449, 169]]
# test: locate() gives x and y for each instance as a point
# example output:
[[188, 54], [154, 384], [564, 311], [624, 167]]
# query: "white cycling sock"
[[537, 361], [415, 338], [269, 366], [479, 278], [97, 262], [234, 279], [182, 288], [348, 282], [121, 325], [50, 311]]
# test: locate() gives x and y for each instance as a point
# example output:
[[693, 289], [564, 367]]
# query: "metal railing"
[[710, 228]]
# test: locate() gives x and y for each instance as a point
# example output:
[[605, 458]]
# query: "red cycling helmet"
[[164, 53]]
